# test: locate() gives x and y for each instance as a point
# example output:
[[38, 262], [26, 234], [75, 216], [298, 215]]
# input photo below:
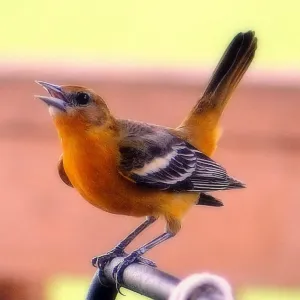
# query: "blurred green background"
[[170, 33], [144, 32]]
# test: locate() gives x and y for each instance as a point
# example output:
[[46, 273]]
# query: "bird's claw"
[[128, 260], [101, 261], [146, 261]]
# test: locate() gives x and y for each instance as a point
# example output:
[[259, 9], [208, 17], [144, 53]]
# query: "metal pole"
[[145, 280], [99, 291]]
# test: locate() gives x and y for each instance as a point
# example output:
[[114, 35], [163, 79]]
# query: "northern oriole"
[[138, 169]]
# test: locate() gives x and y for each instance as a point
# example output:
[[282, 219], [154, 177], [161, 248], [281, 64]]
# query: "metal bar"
[[145, 280], [99, 291]]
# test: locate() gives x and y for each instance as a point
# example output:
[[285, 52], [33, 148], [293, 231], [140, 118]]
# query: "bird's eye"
[[82, 98]]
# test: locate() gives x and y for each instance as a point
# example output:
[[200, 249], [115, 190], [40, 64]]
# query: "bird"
[[146, 170]]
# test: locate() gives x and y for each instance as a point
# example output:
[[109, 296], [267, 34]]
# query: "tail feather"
[[201, 127], [208, 200], [229, 72]]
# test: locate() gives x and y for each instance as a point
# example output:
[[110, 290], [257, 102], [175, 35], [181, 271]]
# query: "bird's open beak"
[[57, 98]]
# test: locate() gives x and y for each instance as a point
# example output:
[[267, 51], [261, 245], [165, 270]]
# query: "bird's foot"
[[128, 260], [101, 261], [145, 261]]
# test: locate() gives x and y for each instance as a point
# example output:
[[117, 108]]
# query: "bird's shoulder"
[[130, 128], [140, 143]]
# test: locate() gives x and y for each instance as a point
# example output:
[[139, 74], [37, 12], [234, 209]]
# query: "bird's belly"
[[96, 183], [99, 182]]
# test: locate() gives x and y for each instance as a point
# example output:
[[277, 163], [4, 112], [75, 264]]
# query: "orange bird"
[[138, 169]]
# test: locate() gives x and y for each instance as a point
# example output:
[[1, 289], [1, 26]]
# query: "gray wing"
[[151, 156]]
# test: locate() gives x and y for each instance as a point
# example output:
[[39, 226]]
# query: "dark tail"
[[228, 73], [208, 200], [202, 124]]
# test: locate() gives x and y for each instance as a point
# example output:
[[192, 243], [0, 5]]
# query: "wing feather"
[[155, 158]]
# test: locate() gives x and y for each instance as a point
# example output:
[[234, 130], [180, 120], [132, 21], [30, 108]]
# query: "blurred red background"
[[46, 228]]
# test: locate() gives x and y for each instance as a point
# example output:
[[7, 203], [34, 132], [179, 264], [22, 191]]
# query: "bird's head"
[[75, 106]]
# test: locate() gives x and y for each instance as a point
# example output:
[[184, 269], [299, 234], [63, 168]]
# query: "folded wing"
[[160, 160]]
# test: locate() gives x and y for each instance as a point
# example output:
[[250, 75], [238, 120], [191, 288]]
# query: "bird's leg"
[[135, 256], [101, 261]]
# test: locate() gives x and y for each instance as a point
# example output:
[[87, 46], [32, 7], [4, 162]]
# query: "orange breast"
[[90, 161]]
